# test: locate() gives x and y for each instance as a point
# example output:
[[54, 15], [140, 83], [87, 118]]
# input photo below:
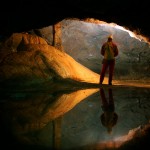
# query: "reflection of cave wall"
[[83, 40]]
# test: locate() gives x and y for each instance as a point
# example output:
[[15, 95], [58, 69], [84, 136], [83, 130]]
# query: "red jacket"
[[109, 50]]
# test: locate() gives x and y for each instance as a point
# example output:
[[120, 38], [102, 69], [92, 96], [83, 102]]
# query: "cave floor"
[[70, 120]]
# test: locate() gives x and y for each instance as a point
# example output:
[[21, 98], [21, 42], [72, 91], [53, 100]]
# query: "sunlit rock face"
[[32, 60], [83, 40]]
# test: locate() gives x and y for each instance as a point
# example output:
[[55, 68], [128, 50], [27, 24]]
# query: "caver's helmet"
[[110, 37]]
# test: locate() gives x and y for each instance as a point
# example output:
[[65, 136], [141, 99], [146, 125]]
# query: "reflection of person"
[[109, 51], [109, 117]]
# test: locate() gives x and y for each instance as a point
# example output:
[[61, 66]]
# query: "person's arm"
[[116, 50], [102, 50]]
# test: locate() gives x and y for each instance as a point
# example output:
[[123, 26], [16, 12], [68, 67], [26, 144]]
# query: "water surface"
[[56, 119]]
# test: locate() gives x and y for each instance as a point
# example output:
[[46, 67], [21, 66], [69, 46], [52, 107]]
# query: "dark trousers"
[[107, 65]]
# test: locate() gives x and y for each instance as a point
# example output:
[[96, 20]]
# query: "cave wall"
[[82, 40]]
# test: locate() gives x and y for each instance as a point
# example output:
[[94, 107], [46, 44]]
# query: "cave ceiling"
[[24, 15]]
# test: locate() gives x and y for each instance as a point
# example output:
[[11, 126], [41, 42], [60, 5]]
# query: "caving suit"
[[109, 50]]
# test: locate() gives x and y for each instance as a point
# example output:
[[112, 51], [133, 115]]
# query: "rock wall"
[[83, 40], [39, 62]]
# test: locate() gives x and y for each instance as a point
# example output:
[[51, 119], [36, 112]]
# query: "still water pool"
[[83, 119]]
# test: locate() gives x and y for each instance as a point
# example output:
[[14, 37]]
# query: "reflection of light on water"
[[116, 142], [109, 144]]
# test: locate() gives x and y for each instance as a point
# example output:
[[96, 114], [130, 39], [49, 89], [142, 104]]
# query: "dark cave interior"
[[24, 15]]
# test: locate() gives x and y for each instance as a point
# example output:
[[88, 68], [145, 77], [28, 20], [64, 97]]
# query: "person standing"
[[109, 51]]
